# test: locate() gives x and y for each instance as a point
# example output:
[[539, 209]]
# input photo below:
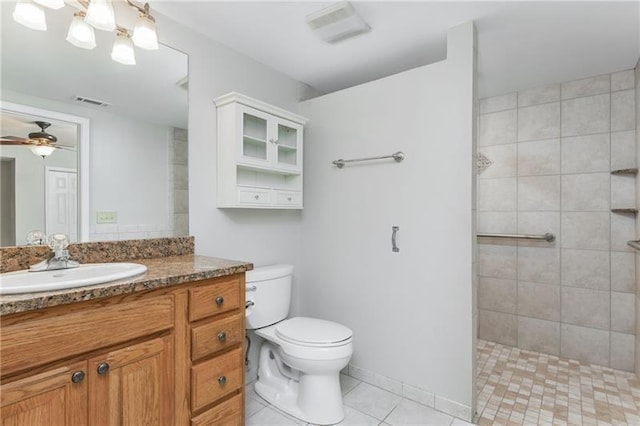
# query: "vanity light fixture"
[[123, 49], [100, 15], [51, 4], [30, 15], [42, 150], [144, 33], [80, 33]]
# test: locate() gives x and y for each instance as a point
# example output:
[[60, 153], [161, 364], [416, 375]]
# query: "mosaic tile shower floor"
[[521, 387]]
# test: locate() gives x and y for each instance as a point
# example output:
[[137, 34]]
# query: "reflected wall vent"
[[91, 101]]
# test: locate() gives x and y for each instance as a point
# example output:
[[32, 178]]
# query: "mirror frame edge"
[[83, 155]]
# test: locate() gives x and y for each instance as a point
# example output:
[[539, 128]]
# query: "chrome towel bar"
[[398, 156], [634, 243], [546, 237]]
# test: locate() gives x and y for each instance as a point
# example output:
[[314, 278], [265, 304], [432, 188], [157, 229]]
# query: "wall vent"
[[91, 101], [337, 22], [183, 83]]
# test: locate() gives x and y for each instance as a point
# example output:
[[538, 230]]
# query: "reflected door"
[[61, 202]]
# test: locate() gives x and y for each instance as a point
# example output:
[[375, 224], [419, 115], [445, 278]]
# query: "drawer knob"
[[103, 369], [257, 197], [222, 337], [222, 380], [219, 300], [77, 377], [288, 198]]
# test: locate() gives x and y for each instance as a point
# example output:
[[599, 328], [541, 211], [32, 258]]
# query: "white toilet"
[[301, 358]]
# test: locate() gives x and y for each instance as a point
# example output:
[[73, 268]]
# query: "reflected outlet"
[[106, 217]]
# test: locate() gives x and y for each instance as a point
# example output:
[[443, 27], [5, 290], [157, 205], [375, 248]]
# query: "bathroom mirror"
[[136, 143]]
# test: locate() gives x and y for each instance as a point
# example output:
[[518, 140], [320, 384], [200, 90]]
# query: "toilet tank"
[[269, 288]]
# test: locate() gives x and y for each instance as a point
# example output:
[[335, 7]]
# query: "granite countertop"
[[162, 272]]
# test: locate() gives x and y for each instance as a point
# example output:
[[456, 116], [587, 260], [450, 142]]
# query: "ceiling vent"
[[337, 22], [91, 101]]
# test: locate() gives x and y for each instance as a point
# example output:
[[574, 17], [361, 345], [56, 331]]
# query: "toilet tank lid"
[[270, 272]]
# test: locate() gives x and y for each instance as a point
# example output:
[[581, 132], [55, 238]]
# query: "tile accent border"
[[407, 391]]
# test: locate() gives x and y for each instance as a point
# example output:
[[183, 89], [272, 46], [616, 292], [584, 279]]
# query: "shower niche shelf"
[[622, 172]]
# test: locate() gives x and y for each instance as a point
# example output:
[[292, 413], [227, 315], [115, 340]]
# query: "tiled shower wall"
[[553, 149]]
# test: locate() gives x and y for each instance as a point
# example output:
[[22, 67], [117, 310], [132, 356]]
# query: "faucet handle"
[[58, 241], [35, 238]]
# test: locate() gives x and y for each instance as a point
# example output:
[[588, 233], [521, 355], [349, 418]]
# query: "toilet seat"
[[313, 332]]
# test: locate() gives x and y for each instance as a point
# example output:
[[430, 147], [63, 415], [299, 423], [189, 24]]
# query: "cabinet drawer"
[[215, 378], [37, 342], [257, 196], [216, 298], [217, 335], [228, 413], [288, 198]]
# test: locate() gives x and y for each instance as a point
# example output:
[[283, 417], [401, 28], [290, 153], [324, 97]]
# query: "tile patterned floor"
[[520, 387], [516, 387]]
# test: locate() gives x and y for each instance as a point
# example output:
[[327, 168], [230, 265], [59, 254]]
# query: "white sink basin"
[[87, 274]]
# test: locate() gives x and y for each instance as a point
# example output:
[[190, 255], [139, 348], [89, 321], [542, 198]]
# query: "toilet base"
[[313, 398]]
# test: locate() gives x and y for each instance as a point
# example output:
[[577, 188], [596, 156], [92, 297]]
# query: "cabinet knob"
[[103, 369], [288, 198], [257, 197], [77, 377], [222, 337], [219, 300], [222, 380]]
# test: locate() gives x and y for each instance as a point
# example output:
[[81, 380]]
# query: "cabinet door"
[[255, 146], [133, 385], [287, 145], [53, 398]]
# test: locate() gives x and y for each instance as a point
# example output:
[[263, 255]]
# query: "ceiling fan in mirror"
[[40, 143]]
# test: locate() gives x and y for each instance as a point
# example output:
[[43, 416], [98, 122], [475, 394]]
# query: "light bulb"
[[30, 15], [123, 49], [80, 33], [144, 33], [51, 4], [100, 15], [42, 150]]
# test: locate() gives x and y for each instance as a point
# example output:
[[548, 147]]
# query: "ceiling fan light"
[[100, 15], [51, 4], [144, 33], [80, 33], [30, 15], [123, 49], [42, 150]]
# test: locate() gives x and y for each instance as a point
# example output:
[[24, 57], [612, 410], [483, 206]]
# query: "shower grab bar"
[[634, 243], [398, 156], [549, 237]]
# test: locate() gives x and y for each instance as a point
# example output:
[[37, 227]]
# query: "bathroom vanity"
[[164, 348]]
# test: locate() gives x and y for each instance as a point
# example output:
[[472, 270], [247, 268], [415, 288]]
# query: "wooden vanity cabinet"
[[50, 395], [127, 360]]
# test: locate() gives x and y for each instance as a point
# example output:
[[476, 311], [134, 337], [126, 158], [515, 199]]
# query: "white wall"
[[410, 312], [129, 170], [29, 186], [259, 236]]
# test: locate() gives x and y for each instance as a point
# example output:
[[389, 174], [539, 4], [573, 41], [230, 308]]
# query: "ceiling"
[[520, 44]]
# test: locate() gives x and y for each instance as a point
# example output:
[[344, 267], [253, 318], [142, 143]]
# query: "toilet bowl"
[[301, 358]]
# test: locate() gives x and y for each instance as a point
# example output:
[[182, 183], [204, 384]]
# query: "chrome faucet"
[[58, 258]]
